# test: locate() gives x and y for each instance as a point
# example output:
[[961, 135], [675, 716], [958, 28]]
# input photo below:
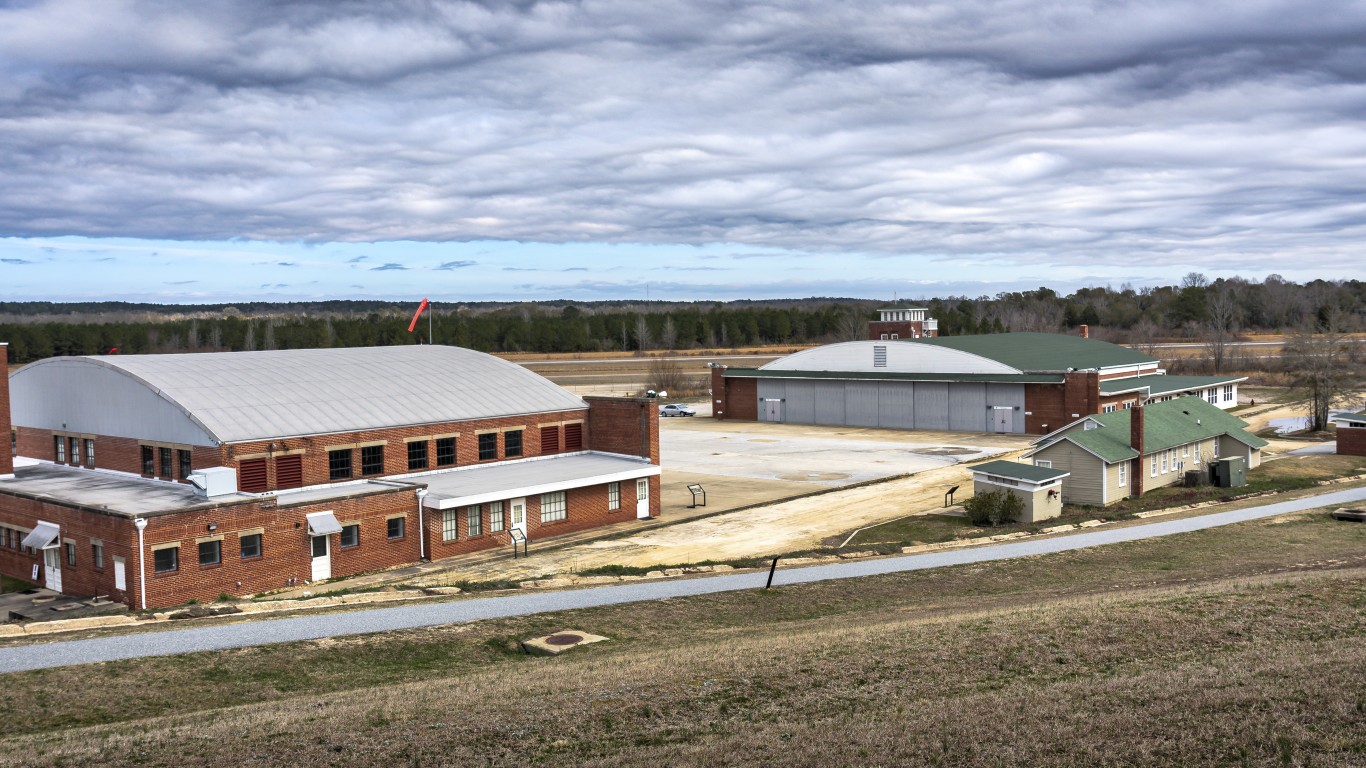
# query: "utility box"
[[1230, 473], [214, 481], [1195, 478]]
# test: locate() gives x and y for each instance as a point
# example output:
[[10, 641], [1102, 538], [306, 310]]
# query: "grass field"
[[1237, 646]]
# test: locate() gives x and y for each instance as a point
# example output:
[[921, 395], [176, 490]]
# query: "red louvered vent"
[[289, 471], [251, 475], [573, 437], [550, 440]]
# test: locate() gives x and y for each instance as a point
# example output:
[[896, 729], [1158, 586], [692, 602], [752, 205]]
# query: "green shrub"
[[1011, 509], [983, 508]]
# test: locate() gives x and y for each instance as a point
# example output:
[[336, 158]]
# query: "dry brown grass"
[[1101, 657]]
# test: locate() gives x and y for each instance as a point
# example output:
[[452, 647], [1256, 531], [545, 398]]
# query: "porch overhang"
[[497, 482]]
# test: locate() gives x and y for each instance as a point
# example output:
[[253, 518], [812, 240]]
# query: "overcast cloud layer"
[[1131, 140]]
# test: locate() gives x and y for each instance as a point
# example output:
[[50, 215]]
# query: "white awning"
[[508, 480], [323, 523], [42, 536]]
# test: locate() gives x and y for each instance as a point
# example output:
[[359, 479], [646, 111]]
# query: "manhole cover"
[[564, 639]]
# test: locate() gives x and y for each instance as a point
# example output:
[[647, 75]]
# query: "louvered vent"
[[251, 475], [879, 356], [573, 437], [289, 472]]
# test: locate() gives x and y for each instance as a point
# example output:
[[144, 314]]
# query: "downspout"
[[141, 524], [421, 525], [644, 431]]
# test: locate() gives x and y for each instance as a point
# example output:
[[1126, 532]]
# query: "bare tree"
[[851, 326], [668, 336], [667, 375], [643, 340], [1325, 364], [1225, 317]]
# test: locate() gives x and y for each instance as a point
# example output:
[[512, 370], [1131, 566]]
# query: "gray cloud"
[[391, 266], [17, 261], [1183, 133], [457, 264]]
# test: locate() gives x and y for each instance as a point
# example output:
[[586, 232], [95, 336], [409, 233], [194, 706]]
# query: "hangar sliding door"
[[896, 405], [968, 407], [829, 402], [861, 403], [931, 405]]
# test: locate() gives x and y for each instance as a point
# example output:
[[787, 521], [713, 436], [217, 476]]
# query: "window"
[[90, 453], [1128, 405], [1154, 469], [884, 337], [1216, 447], [70, 552], [613, 496], [339, 464], [450, 525], [97, 554], [417, 455], [183, 462], [1123, 473], [896, 336], [166, 560], [495, 516], [210, 552], [1164, 462], [1228, 393], [149, 467], [251, 476], [550, 440], [1042, 463], [59, 449], [512, 442], [488, 446], [372, 460], [164, 456], [1212, 394], [75, 452], [1195, 454], [1185, 450], [14, 442], [553, 507], [350, 535], [445, 452], [251, 546], [573, 437], [289, 471], [1108, 409], [394, 527], [474, 521]]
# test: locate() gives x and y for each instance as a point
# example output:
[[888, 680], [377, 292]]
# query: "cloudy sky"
[[174, 151]]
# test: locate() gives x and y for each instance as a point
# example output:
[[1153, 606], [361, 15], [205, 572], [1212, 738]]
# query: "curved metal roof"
[[902, 356], [242, 396]]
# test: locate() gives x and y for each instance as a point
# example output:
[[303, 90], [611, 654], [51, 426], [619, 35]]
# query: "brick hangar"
[[157, 479]]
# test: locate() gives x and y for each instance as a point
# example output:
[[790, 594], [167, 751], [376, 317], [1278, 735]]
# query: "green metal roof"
[[1042, 351], [1355, 418], [1165, 425], [1020, 471], [1160, 384], [996, 378]]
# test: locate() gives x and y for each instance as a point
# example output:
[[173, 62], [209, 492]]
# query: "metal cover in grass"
[[560, 642]]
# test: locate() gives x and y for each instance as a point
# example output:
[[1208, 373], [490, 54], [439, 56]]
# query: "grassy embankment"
[[1237, 646]]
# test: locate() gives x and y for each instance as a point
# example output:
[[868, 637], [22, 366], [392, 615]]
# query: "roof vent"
[[879, 356], [213, 481]]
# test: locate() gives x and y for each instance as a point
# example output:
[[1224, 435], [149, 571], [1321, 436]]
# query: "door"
[[772, 411], [518, 515], [642, 498], [1004, 419], [120, 575], [52, 568], [322, 559]]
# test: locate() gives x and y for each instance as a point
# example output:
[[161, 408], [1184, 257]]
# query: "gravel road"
[[264, 632]]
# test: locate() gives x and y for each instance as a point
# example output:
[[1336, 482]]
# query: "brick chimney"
[[6, 458], [1136, 442], [1085, 331]]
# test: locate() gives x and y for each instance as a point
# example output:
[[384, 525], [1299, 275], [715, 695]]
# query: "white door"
[[322, 559], [518, 515], [772, 411], [120, 575], [52, 568], [1005, 419], [642, 498]]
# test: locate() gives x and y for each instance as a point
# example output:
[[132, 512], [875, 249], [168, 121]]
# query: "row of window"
[[165, 463], [341, 461], [554, 508], [76, 451], [167, 560], [13, 538], [1167, 460]]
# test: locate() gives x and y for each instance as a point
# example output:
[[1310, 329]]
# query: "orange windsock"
[[420, 309]]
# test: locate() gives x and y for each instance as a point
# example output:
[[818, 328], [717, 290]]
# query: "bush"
[[1012, 508], [983, 508]]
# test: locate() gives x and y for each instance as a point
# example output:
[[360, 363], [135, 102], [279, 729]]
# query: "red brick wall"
[[6, 460], [1045, 404], [904, 329], [1352, 441], [285, 545], [587, 508], [742, 399], [624, 425]]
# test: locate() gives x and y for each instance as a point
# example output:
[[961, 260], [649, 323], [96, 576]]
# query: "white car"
[[676, 409]]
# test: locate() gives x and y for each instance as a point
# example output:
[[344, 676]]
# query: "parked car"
[[676, 409]]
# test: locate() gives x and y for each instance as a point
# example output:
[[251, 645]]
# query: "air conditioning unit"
[[214, 481]]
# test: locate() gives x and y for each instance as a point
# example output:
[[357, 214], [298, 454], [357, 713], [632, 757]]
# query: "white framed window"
[[1164, 462], [1123, 473], [1154, 469], [1216, 447], [450, 525], [1185, 451], [553, 507], [495, 516], [474, 520], [1108, 409], [1042, 463], [1228, 393], [1212, 395], [896, 336], [613, 496], [1195, 454], [1128, 405]]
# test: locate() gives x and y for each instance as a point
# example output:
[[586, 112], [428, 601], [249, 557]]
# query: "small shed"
[[1351, 433], [1040, 488]]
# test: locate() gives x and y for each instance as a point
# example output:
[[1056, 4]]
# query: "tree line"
[[1196, 308]]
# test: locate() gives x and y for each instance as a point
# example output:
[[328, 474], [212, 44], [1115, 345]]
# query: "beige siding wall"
[[1037, 503], [1114, 491], [1085, 484]]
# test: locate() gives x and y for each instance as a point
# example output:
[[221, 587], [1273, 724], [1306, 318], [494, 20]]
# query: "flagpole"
[[430, 312]]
